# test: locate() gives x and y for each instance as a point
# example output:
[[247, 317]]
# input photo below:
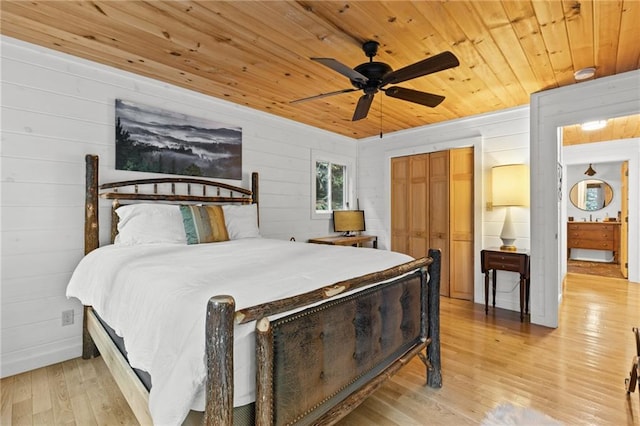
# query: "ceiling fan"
[[371, 77]]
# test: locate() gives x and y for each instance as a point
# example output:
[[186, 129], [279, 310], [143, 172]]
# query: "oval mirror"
[[591, 194]]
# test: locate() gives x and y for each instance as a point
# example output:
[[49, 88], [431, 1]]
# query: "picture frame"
[[151, 139]]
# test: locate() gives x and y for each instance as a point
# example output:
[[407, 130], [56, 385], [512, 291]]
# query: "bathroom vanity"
[[594, 236]]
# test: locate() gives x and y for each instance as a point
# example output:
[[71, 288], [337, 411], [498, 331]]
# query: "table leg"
[[486, 292], [523, 290], [494, 288], [526, 302]]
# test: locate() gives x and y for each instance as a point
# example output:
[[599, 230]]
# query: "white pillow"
[[150, 223], [241, 221]]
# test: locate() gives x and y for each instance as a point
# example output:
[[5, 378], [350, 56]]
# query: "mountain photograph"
[[151, 139]]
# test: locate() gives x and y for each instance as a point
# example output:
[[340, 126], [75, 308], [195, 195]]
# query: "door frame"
[[606, 97], [618, 150], [478, 201]]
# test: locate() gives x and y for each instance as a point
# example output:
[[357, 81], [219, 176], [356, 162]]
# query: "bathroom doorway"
[[596, 205]]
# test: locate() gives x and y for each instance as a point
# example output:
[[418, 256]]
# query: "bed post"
[[91, 240], [219, 347], [91, 237], [255, 198], [434, 374], [254, 188], [264, 372]]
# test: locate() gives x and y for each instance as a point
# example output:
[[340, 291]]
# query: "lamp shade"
[[510, 185]]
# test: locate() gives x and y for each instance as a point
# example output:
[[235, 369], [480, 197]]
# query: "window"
[[331, 191], [331, 184]]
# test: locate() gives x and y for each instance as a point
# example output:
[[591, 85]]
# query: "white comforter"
[[155, 297]]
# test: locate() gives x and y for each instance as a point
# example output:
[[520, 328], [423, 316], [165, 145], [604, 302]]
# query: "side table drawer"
[[503, 262]]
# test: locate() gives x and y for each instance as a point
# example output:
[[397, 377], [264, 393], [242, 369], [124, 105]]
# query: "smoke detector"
[[584, 73]]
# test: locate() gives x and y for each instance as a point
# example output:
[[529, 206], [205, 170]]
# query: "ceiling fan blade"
[[415, 96], [323, 95], [439, 62], [342, 69], [362, 109]]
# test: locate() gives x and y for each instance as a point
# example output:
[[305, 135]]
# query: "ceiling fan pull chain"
[[380, 117]]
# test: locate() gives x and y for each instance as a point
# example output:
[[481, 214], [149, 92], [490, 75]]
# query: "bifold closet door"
[[399, 203], [461, 256], [432, 206], [410, 205], [439, 213], [419, 205]]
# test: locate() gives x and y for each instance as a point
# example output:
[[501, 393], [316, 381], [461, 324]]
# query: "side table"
[[513, 261], [341, 240]]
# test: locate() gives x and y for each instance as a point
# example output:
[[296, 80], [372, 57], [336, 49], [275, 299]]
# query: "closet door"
[[410, 205], [399, 204], [461, 256], [432, 207], [418, 205], [439, 212]]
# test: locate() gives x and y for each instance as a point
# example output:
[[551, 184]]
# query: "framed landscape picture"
[[150, 139]]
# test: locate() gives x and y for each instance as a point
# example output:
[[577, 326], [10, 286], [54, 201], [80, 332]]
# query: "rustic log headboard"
[[180, 190]]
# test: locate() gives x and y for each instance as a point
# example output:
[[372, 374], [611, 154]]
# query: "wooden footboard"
[[316, 365]]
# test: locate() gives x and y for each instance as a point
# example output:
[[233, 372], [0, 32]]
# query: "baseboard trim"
[[36, 357]]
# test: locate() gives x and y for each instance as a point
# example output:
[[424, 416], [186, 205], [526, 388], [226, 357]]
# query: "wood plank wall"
[[56, 109], [504, 140]]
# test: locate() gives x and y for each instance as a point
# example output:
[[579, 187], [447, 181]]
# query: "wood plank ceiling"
[[256, 53], [615, 128]]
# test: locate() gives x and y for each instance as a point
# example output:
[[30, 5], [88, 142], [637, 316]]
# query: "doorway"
[[550, 110], [597, 163], [596, 218]]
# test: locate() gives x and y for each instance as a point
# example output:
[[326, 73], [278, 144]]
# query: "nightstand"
[[513, 261], [340, 240]]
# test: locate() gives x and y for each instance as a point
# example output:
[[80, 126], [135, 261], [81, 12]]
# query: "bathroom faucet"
[[590, 218]]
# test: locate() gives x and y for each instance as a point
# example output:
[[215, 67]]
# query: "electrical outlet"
[[67, 317]]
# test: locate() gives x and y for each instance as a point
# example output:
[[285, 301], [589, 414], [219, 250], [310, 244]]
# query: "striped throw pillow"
[[204, 224]]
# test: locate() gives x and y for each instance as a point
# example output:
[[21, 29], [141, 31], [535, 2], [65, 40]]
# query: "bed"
[[246, 330]]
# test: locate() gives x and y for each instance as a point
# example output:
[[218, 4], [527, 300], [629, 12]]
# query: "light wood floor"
[[574, 373]]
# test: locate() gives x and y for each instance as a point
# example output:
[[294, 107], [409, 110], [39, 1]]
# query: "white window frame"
[[349, 180]]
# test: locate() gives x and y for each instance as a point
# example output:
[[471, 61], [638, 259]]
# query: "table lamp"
[[509, 187]]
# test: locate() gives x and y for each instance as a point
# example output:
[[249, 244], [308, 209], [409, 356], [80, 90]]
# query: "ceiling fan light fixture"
[[584, 73], [372, 77], [593, 125], [590, 171]]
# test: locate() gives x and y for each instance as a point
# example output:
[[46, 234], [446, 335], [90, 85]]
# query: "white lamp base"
[[508, 234]]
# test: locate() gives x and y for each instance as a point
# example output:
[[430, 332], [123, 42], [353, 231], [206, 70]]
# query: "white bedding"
[[155, 297]]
